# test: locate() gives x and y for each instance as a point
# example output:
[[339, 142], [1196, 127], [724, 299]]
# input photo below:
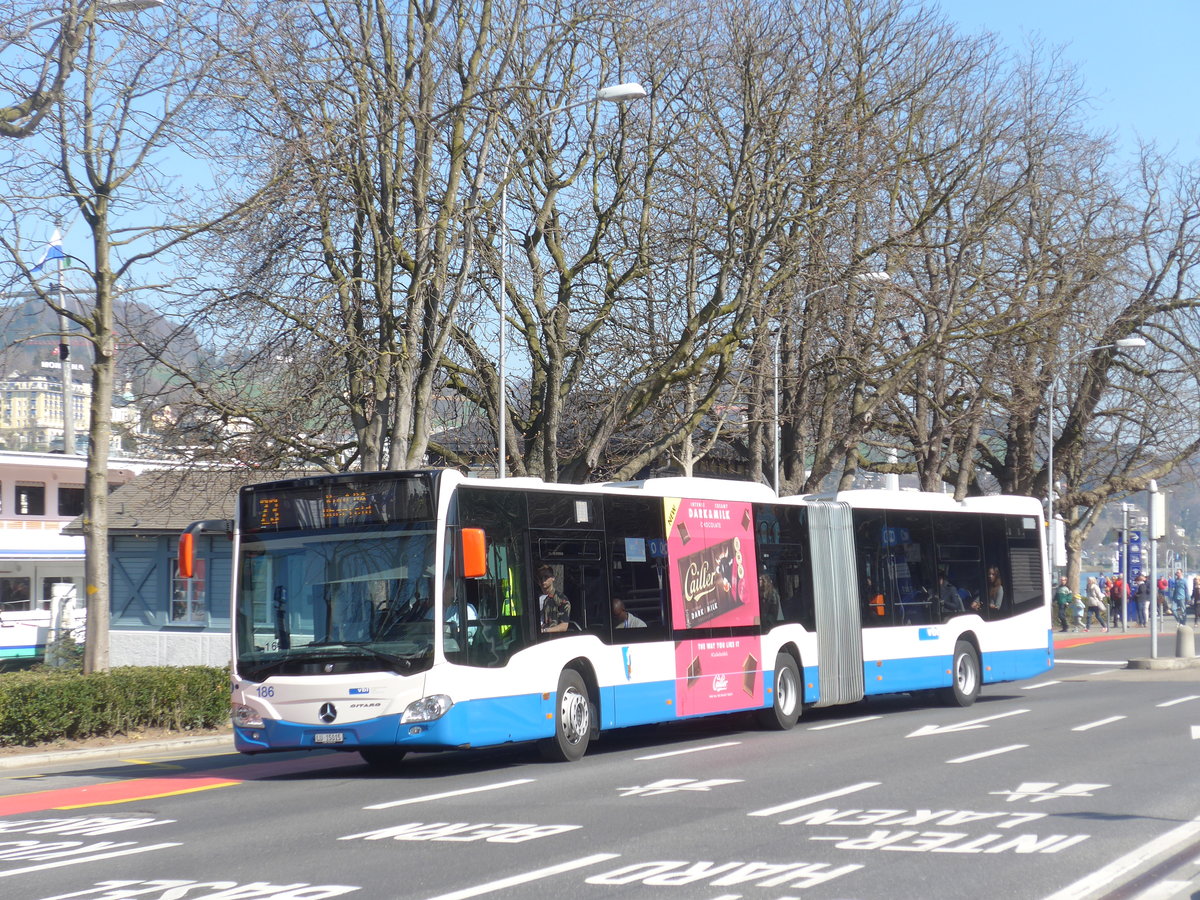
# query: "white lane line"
[[1164, 890], [94, 857], [1180, 700], [1196, 732], [1098, 723], [1086, 662], [1104, 878], [474, 790], [689, 750], [819, 798], [987, 753], [1040, 684], [526, 877], [846, 722]]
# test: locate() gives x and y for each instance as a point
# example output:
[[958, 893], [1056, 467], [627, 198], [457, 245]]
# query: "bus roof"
[[928, 500]]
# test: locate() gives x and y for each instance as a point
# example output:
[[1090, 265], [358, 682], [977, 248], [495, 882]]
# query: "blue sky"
[[1139, 59]]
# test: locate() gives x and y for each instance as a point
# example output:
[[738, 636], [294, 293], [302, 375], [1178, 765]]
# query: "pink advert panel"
[[711, 565], [718, 675]]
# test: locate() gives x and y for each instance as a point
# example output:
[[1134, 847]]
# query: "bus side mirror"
[[187, 555], [474, 552], [187, 542]]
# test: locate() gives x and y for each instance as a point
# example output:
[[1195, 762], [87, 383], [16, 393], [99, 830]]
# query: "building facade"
[[41, 568]]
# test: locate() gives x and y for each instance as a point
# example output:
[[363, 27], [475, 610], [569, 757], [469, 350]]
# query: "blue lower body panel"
[[472, 723], [890, 676]]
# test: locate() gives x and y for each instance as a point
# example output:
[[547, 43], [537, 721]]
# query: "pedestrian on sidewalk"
[[1063, 595], [1196, 600], [1116, 599], [1177, 593], [1095, 605], [1143, 597]]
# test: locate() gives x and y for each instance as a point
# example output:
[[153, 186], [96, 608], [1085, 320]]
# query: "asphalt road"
[[1078, 784]]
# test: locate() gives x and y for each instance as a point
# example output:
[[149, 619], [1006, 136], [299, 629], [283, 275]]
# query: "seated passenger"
[[622, 618], [951, 599]]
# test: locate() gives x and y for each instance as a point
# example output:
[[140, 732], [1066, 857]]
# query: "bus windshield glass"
[[338, 579]]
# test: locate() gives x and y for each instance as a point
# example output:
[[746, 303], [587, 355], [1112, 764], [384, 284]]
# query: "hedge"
[[46, 705]]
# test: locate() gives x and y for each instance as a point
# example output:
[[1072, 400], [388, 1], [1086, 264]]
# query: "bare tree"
[[137, 95]]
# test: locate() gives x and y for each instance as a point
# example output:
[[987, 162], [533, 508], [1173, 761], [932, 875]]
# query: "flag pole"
[[64, 357]]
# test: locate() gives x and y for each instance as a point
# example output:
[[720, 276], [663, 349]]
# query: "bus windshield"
[[314, 602]]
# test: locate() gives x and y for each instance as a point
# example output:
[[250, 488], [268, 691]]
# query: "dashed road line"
[[689, 750], [1090, 725], [500, 785], [986, 753], [857, 721], [526, 877]]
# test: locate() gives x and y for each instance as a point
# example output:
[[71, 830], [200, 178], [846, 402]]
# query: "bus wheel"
[[572, 720], [785, 709], [382, 759], [965, 687]]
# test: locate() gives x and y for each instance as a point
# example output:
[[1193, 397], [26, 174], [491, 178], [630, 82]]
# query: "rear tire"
[[965, 672], [787, 704], [383, 759], [573, 718]]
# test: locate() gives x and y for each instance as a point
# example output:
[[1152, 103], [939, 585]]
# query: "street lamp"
[[617, 93], [863, 278], [1130, 343]]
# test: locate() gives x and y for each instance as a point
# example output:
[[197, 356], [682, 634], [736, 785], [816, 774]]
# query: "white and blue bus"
[[410, 611]]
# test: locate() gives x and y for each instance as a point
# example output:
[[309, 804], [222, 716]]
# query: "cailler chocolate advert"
[[710, 548], [713, 575]]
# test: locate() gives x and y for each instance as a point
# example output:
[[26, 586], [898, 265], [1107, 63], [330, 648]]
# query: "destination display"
[[335, 504]]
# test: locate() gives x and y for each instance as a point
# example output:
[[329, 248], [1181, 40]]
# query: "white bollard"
[[1185, 642]]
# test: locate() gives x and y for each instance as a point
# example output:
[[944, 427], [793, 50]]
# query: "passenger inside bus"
[[622, 618]]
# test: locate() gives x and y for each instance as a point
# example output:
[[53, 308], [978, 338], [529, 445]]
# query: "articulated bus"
[[411, 611]]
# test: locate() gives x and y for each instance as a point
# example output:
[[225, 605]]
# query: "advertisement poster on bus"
[[711, 564], [712, 572], [718, 675]]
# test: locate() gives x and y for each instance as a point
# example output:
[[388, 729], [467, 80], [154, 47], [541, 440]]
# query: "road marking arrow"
[[963, 726]]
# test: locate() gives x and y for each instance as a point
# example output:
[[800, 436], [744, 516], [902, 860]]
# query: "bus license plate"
[[332, 737]]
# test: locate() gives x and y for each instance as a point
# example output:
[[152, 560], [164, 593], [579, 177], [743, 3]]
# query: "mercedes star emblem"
[[327, 713]]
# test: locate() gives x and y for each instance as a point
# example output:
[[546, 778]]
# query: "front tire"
[[965, 672], [573, 718], [785, 708]]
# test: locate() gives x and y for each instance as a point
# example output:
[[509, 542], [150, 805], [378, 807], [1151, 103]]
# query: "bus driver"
[[555, 609]]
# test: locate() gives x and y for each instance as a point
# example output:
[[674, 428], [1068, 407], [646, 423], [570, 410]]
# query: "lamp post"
[[863, 278], [617, 93], [1051, 533]]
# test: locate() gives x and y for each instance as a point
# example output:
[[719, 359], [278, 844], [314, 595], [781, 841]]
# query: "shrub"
[[48, 704]]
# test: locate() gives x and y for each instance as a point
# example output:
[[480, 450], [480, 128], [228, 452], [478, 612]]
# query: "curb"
[[21, 760], [1165, 662]]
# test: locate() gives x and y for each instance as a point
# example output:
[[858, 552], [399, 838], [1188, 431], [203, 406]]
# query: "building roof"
[[166, 501]]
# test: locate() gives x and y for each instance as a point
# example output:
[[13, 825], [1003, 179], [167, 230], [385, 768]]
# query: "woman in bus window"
[[995, 588]]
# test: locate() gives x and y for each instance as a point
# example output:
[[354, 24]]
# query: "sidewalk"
[[130, 749], [1168, 639]]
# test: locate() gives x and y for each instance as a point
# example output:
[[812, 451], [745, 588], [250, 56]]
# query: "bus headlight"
[[246, 717], [427, 708]]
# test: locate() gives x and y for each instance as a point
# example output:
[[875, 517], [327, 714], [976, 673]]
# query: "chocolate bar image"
[[749, 673], [746, 520], [693, 672], [683, 533]]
